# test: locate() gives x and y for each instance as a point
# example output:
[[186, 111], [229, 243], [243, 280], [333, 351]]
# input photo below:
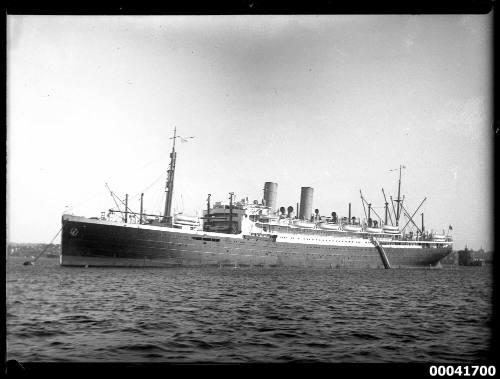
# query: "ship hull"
[[87, 242]]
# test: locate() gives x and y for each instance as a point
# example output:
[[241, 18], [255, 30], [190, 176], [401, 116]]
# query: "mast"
[[398, 201], [369, 215], [399, 196], [230, 229], [126, 208], [387, 211], [140, 216], [208, 205], [170, 182], [393, 210]]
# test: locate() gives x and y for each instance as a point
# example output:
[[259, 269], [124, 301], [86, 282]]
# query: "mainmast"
[[167, 218], [398, 209]]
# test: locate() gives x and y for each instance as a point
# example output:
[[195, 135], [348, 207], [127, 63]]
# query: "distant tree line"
[[32, 249]]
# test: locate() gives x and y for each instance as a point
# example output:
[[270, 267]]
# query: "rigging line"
[[46, 247], [156, 202], [127, 207], [157, 158], [394, 210], [113, 196], [181, 203], [389, 214], [163, 199], [402, 201], [157, 199], [414, 213], [364, 209], [407, 215], [387, 205], [372, 208], [151, 185]]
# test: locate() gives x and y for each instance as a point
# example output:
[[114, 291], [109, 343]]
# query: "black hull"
[[87, 242]]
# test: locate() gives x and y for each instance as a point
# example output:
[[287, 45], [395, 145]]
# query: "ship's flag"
[[449, 227]]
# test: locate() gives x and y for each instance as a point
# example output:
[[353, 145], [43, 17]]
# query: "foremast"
[[169, 189]]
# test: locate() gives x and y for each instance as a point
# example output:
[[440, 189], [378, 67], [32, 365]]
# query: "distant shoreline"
[[28, 250]]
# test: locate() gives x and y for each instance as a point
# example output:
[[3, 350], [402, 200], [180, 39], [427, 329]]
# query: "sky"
[[329, 102]]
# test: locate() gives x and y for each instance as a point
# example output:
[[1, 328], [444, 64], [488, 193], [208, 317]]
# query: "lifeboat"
[[268, 219], [439, 238], [304, 224], [216, 228], [328, 226], [180, 218], [352, 228], [390, 229], [373, 230]]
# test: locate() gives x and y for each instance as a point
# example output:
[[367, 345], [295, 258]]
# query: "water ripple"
[[247, 315]]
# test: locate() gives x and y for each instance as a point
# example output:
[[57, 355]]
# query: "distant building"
[[466, 258]]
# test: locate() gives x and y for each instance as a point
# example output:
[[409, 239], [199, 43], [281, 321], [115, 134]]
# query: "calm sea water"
[[246, 315]]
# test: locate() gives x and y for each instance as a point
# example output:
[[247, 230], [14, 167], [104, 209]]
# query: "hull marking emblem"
[[73, 232]]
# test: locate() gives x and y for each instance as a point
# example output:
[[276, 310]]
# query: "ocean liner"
[[256, 233]]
